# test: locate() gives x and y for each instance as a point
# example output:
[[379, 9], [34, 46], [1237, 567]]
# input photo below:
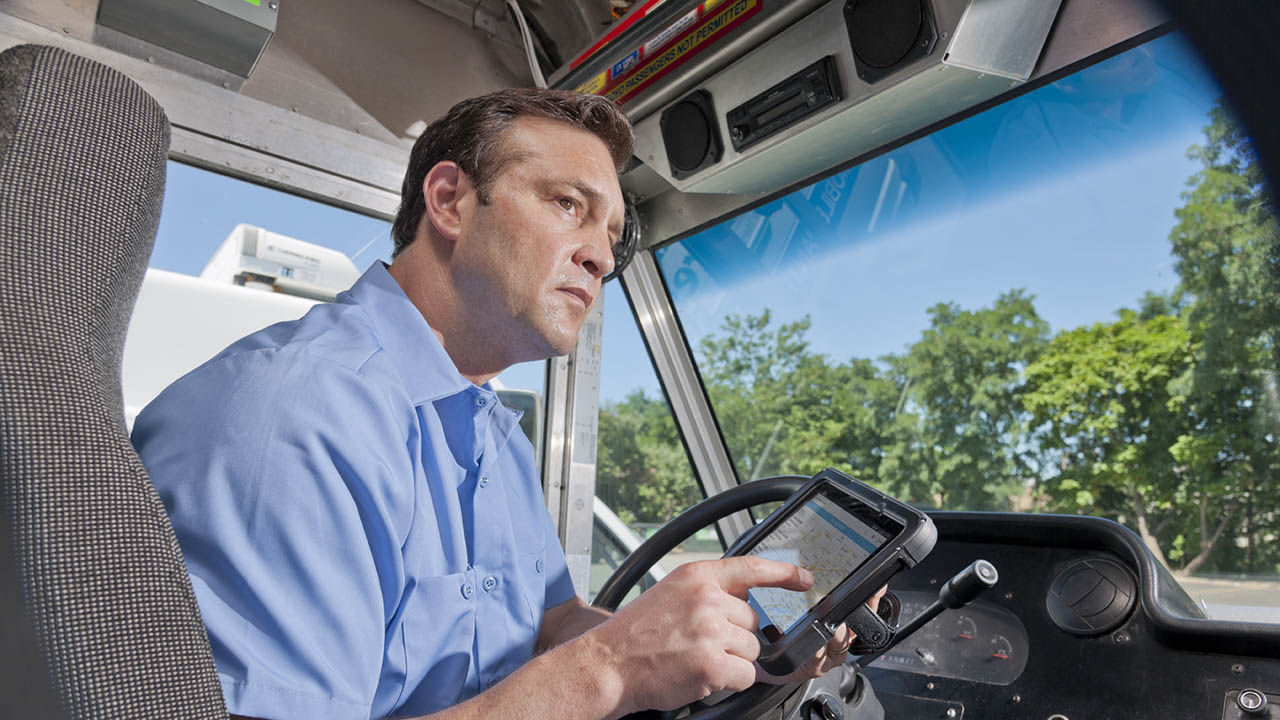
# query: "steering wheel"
[[761, 697]]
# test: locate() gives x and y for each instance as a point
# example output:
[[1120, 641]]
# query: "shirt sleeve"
[[279, 473], [559, 584]]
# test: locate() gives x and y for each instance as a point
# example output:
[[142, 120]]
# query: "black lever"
[[957, 592]]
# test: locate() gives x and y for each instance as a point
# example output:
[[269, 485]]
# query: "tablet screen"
[[822, 537]]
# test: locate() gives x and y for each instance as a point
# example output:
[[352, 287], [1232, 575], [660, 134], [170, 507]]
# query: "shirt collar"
[[415, 352]]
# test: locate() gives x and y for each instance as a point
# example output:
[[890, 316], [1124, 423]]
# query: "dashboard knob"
[[823, 707], [1252, 702]]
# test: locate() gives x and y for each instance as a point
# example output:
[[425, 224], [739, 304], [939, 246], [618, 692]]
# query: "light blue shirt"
[[364, 528]]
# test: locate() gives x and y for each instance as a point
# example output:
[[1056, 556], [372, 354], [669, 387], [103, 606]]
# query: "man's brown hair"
[[471, 134]]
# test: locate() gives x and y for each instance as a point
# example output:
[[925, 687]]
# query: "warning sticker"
[[621, 67], [681, 46], [595, 85], [675, 29]]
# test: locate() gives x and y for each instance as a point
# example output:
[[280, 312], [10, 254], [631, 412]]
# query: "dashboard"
[[1118, 639]]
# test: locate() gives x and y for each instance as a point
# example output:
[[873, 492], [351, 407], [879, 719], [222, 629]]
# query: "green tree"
[[1102, 396], [1227, 250], [642, 471], [958, 423]]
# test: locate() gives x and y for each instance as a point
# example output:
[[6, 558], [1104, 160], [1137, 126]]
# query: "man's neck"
[[423, 276]]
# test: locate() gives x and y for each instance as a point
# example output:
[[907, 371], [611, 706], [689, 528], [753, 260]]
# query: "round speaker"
[[689, 134], [884, 32]]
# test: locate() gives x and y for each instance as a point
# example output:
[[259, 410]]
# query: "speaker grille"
[[690, 135], [886, 34]]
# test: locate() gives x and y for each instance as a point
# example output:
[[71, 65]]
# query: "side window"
[[232, 257], [643, 475]]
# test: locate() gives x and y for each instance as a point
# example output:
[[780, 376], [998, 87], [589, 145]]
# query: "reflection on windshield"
[[1067, 303]]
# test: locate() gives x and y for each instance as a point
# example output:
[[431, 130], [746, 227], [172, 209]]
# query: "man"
[[363, 522]]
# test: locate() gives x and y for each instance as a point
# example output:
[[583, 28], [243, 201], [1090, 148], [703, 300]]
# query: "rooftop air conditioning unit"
[[257, 258]]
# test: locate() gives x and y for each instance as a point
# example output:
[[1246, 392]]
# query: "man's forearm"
[[576, 680], [576, 621]]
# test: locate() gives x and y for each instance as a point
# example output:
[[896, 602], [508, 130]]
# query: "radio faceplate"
[[786, 103]]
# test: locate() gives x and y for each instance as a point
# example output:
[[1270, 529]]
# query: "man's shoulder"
[[324, 368], [336, 333]]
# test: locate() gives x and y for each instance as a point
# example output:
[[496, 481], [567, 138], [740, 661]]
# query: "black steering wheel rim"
[[761, 697]]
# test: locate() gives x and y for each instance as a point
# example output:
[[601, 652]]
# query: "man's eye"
[[567, 204]]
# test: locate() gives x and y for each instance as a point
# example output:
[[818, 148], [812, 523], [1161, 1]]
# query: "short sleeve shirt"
[[364, 528]]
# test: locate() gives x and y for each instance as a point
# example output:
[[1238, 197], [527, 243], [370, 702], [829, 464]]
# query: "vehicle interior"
[[1015, 262]]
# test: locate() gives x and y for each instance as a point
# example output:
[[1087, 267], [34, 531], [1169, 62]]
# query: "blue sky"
[[1068, 192]]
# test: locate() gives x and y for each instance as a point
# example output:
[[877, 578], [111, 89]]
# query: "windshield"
[[1066, 303]]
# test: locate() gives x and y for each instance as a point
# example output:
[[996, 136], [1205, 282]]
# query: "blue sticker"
[[626, 63]]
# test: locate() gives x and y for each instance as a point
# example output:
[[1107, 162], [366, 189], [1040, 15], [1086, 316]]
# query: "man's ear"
[[446, 190]]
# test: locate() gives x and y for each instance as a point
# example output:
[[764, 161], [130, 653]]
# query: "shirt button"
[[539, 566], [484, 481], [490, 582], [467, 590], [481, 401]]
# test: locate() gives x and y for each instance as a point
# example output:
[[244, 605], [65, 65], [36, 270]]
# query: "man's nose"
[[596, 255]]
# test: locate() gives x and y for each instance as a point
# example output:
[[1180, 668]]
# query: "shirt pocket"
[[439, 632], [532, 571]]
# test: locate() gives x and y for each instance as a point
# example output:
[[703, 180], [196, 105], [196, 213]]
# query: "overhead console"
[[850, 76]]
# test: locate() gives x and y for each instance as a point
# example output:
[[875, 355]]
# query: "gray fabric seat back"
[[82, 168]]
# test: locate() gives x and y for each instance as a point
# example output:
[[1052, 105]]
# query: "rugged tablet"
[[852, 537]]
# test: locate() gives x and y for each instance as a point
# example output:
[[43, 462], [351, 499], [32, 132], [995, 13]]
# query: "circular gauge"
[[1001, 649], [964, 628]]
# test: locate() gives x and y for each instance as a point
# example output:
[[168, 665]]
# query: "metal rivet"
[[928, 686], [273, 5], [1237, 669], [1121, 637], [226, 86], [1008, 596], [1015, 699], [951, 712]]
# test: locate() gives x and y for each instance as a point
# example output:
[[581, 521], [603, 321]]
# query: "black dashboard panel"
[[1162, 662]]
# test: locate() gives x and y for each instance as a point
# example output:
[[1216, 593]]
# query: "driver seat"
[[110, 616]]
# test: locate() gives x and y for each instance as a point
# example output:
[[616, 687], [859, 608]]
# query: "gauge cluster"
[[981, 642]]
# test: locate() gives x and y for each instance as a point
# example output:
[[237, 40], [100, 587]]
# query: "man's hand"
[[831, 656], [692, 634]]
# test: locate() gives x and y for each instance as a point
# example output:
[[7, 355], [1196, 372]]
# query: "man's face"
[[529, 263]]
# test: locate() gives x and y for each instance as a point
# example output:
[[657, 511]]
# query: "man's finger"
[[741, 614], [840, 640], [739, 574], [742, 643], [874, 602]]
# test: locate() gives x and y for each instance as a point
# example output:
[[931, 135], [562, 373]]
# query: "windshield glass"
[[1066, 303]]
